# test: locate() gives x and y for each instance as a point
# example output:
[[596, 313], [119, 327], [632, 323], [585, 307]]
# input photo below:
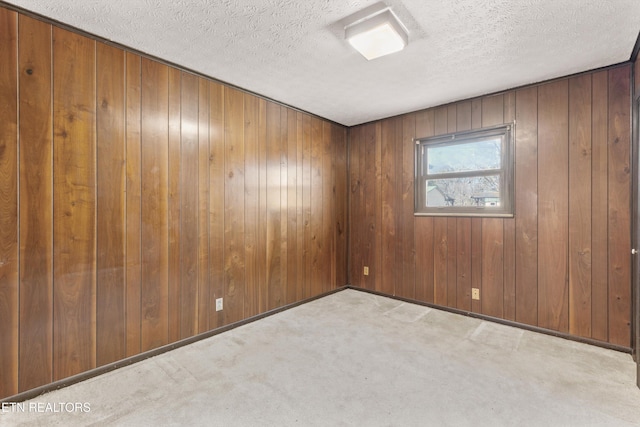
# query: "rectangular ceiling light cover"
[[377, 35]]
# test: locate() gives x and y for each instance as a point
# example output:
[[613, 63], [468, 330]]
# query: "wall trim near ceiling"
[[65, 382], [108, 42], [101, 39], [518, 325], [501, 92]]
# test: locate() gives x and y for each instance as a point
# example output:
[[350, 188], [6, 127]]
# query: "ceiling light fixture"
[[377, 35]]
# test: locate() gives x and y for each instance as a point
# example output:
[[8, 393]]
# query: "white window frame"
[[506, 172]]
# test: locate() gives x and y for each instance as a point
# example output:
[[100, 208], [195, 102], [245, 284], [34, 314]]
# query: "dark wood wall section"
[[134, 194], [562, 262]]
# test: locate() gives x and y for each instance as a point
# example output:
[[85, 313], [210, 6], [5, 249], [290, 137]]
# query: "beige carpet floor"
[[356, 359]]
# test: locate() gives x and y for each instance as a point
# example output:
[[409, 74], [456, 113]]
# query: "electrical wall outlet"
[[219, 304], [475, 293], [366, 270]]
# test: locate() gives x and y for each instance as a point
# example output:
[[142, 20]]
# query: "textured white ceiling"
[[293, 50]]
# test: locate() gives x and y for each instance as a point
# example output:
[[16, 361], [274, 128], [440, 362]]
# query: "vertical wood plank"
[[580, 205], [204, 286], [553, 162], [155, 236], [9, 250], [293, 287], [306, 204], [234, 274], [216, 200], [476, 223], [407, 224], [452, 119], [425, 121], [388, 189], [74, 215], [174, 207], [509, 258], [300, 200], [476, 262], [274, 274], [424, 259], [251, 197], [441, 125], [328, 217], [36, 203], [189, 187], [284, 213], [440, 258], [341, 224], [452, 267], [619, 202], [599, 207], [134, 210], [463, 264], [526, 206], [355, 263], [463, 116], [111, 198], [493, 110], [492, 295]]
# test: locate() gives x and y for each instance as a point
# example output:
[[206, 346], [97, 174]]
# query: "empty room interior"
[[248, 213]]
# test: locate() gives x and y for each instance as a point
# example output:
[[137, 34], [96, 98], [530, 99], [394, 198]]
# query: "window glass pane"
[[464, 157], [470, 191]]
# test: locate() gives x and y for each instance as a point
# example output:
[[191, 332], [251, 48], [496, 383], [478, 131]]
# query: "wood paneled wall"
[[134, 194], [562, 262]]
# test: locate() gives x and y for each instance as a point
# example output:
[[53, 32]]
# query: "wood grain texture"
[[463, 264], [234, 271], [133, 212], [580, 206], [452, 266], [476, 262], [189, 186], [599, 207], [509, 236], [526, 206], [440, 258], [425, 122], [619, 203], [129, 224], [204, 286], [251, 202], [492, 295], [154, 229], [110, 207], [36, 204], [284, 202], [173, 201], [388, 190], [292, 207], [275, 295], [553, 174], [406, 217], [341, 206], [216, 200], [306, 206], [9, 251], [74, 214]]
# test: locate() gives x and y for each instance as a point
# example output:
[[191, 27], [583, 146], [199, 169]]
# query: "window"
[[465, 173]]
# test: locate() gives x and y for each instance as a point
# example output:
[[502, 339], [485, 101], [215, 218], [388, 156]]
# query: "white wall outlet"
[[219, 304], [475, 293], [366, 270]]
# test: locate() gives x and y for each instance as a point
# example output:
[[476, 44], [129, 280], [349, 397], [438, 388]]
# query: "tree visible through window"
[[467, 173]]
